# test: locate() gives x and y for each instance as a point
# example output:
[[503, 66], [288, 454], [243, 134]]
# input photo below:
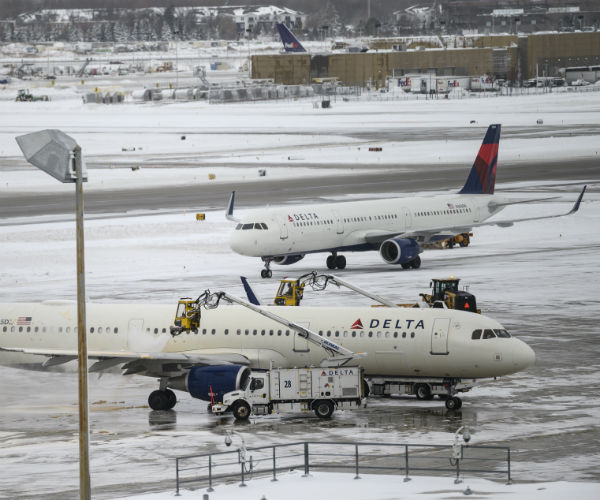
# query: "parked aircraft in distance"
[[290, 42], [216, 357], [396, 227]]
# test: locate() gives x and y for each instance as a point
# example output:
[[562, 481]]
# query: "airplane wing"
[[141, 361], [376, 237]]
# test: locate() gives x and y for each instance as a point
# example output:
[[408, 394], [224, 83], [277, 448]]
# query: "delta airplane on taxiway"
[[396, 227], [216, 357]]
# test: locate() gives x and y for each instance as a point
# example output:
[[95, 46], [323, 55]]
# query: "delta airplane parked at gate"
[[216, 358], [396, 227]]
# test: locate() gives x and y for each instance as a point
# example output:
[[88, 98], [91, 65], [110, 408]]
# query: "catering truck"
[[320, 389]]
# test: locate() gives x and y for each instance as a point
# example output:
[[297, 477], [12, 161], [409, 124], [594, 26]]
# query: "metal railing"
[[368, 457]]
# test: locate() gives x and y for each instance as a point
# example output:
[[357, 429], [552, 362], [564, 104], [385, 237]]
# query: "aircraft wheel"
[[451, 243], [453, 403], [172, 398], [323, 408], [159, 400], [340, 262], [330, 262], [406, 265], [422, 391], [266, 273], [241, 410], [465, 241], [416, 263]]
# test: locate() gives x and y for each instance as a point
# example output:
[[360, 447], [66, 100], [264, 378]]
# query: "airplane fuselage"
[[347, 226], [398, 341]]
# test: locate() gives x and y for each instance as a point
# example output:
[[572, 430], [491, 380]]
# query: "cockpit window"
[[239, 226], [476, 334], [502, 333], [488, 334], [247, 226], [264, 226], [257, 225]]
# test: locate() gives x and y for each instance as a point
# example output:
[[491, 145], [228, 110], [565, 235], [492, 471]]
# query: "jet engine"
[[399, 250], [201, 381], [286, 260]]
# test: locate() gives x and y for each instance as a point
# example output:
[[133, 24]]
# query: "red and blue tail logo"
[[482, 177]]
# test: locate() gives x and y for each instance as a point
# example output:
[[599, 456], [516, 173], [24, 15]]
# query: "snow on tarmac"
[[538, 278]]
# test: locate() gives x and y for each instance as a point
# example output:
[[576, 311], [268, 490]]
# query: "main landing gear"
[[163, 398], [453, 403], [336, 261], [414, 264], [266, 272]]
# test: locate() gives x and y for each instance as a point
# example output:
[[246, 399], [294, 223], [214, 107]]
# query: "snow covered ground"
[[537, 278]]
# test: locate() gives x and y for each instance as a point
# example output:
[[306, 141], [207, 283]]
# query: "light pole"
[[177, 59], [59, 155]]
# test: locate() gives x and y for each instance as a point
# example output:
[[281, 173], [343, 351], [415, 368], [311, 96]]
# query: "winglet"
[[482, 177], [249, 292], [229, 213], [578, 202]]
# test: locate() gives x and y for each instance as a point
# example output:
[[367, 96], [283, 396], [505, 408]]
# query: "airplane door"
[[439, 336], [300, 343], [407, 218], [135, 333], [339, 223], [283, 232]]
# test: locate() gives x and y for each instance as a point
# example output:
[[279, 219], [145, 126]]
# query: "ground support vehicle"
[[463, 240], [26, 96], [422, 387], [445, 293], [318, 389]]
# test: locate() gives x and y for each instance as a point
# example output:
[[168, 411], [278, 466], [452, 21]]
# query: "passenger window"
[[412, 335], [476, 334], [489, 334], [116, 330]]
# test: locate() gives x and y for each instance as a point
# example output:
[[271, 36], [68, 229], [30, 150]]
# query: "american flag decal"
[[24, 320]]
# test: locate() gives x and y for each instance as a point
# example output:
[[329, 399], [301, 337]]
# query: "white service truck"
[[321, 389]]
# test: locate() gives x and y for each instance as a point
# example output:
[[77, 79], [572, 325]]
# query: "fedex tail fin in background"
[[482, 177], [290, 42]]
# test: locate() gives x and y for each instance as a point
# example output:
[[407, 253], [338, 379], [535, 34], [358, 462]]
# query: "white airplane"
[[216, 357], [396, 227]]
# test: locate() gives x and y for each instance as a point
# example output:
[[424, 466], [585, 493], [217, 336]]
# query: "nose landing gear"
[[266, 272], [336, 261]]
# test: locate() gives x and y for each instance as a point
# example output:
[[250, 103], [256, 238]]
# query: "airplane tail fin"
[[482, 177], [249, 292], [290, 42]]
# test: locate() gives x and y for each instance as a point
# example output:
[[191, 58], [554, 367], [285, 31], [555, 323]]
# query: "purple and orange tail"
[[482, 177]]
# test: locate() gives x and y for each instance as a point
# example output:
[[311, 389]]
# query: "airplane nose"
[[525, 356], [237, 242]]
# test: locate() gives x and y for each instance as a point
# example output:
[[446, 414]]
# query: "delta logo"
[[357, 325], [290, 219]]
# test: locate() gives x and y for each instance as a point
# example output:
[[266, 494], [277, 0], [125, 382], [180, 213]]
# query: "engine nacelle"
[[286, 260], [399, 250], [200, 381]]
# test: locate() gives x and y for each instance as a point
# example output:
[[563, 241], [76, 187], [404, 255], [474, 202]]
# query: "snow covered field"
[[537, 278]]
